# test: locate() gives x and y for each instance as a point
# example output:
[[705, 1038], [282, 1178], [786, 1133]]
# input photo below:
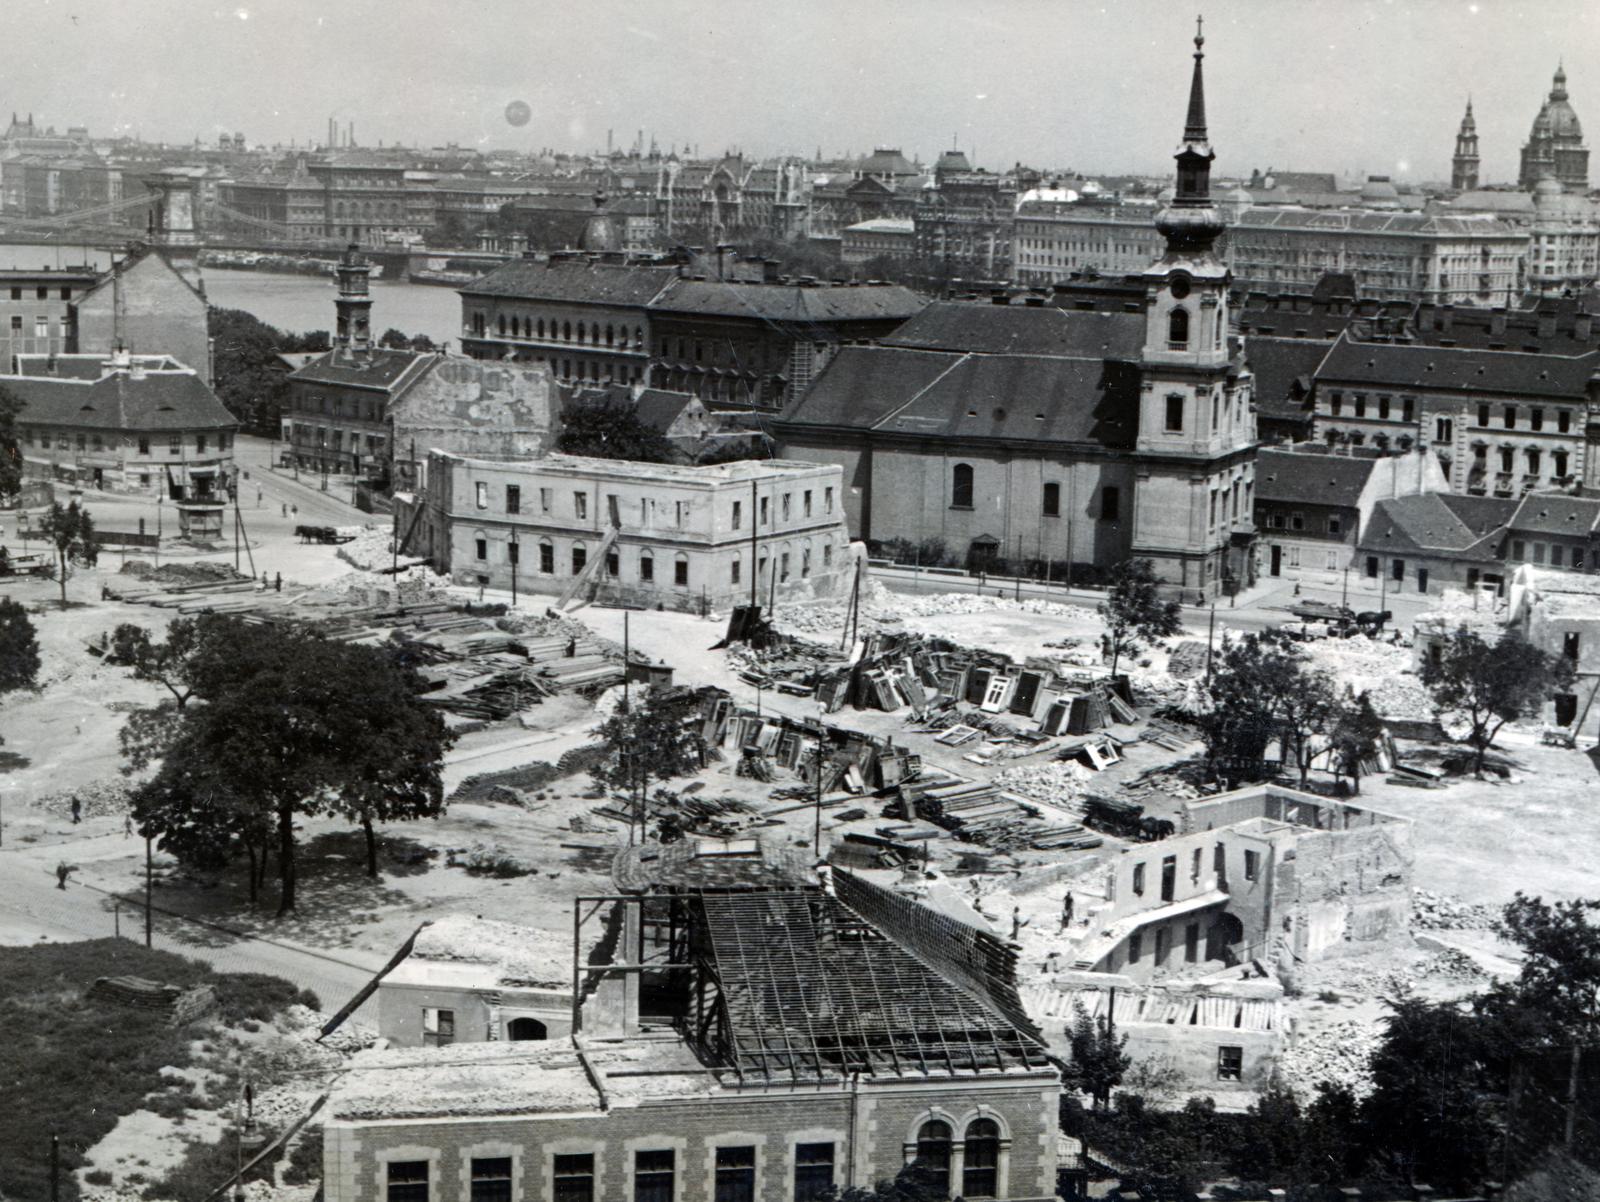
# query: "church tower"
[[353, 323], [1464, 166], [1196, 438]]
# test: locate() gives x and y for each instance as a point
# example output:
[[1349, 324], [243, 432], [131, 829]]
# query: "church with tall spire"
[[1464, 163], [1555, 145], [1196, 421], [1110, 419]]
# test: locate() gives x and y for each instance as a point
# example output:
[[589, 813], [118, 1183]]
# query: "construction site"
[[935, 824]]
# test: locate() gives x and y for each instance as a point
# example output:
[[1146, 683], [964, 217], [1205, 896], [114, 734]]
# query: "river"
[[305, 302], [295, 303]]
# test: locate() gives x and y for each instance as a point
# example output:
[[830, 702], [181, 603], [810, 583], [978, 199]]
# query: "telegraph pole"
[[816, 837], [149, 871]]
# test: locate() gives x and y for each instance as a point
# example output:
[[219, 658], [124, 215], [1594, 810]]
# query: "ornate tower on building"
[[1555, 145], [1196, 439], [353, 328], [1464, 166]]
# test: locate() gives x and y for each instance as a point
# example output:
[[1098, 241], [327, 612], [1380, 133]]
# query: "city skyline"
[[1384, 97]]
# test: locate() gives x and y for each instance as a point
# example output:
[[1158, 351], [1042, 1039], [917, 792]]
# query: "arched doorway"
[[1223, 938], [525, 1028]]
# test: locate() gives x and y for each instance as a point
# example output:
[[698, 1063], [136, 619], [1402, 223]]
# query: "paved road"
[[282, 486], [1265, 605], [31, 904]]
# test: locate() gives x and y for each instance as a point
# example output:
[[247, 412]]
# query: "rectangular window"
[[1383, 408], [481, 492], [1175, 414], [1297, 521], [827, 499], [1577, 557], [1162, 937], [544, 500], [680, 573], [1169, 878], [733, 572], [1252, 865], [1336, 404], [513, 498], [738, 514], [1230, 1063], [1191, 942], [1510, 417], [1332, 563], [1442, 429], [806, 503], [1110, 502], [491, 1179], [144, 444], [1538, 553], [1408, 409], [1361, 404], [580, 558], [1194, 864], [482, 545], [573, 1177], [1555, 555], [1483, 415], [439, 1026], [677, 514], [1138, 879], [1397, 570], [200, 444], [787, 497], [1135, 947], [1052, 500], [736, 1174], [580, 504], [1333, 525], [547, 558], [813, 1171], [1563, 420], [783, 567], [647, 567], [1536, 418], [652, 1175], [1519, 549], [764, 514], [406, 1181]]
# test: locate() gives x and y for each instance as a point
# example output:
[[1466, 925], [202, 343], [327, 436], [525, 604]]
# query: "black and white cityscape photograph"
[[827, 601]]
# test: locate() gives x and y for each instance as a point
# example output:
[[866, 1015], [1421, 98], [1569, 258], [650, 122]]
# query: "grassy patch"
[[73, 1066], [206, 1166]]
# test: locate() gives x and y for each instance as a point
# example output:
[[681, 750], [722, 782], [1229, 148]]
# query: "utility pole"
[[149, 872], [755, 574], [55, 1167], [1211, 631], [1344, 595], [816, 837]]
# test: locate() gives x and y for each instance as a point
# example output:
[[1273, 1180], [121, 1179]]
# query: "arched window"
[[547, 557], [541, 327], [581, 338], [526, 1028], [680, 569], [609, 333], [961, 486], [500, 321], [566, 331], [647, 566], [980, 1176], [1178, 328], [933, 1155], [580, 557]]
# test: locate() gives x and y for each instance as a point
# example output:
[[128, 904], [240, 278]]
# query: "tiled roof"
[[156, 401], [1021, 330], [1458, 369], [1308, 478], [575, 281], [965, 396], [1284, 369], [1362, 222], [1556, 513], [1435, 524], [789, 303], [385, 370]]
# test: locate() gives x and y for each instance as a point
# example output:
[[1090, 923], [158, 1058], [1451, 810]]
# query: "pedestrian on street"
[[127, 825], [77, 811], [294, 511], [258, 496], [285, 509], [277, 584], [63, 871]]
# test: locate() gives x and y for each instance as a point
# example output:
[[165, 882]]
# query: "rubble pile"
[[97, 799], [1449, 966], [1057, 782], [1339, 1054], [1381, 670], [371, 550], [1441, 912], [1188, 659], [179, 573]]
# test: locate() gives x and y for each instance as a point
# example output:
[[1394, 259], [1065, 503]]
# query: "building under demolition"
[[742, 1031]]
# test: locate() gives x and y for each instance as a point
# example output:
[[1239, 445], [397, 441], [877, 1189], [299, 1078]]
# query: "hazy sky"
[[1338, 85]]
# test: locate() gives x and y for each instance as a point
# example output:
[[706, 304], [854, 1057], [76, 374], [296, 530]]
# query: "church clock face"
[[1178, 285]]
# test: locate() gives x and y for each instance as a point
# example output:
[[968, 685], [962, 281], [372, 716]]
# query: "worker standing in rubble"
[[1066, 911]]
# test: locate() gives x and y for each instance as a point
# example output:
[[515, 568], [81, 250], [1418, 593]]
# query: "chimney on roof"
[[1583, 327], [769, 271], [1497, 320], [1547, 323], [118, 363], [1447, 317], [136, 368]]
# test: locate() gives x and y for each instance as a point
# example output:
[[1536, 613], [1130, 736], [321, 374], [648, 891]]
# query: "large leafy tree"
[[250, 379], [19, 647], [70, 532], [1134, 609], [289, 725], [1355, 736], [10, 452], [172, 661], [1250, 678], [606, 426], [1493, 683]]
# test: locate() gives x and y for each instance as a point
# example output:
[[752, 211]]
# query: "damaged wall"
[[475, 407]]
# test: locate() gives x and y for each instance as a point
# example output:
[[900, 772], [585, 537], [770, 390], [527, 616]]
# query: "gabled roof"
[[574, 280], [382, 370], [1459, 369], [132, 262], [1556, 513], [1438, 524], [1310, 478], [963, 397], [1021, 330], [1284, 369], [788, 303], [165, 400]]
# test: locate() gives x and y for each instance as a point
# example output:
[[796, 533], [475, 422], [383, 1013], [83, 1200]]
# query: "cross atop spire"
[[1194, 126]]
